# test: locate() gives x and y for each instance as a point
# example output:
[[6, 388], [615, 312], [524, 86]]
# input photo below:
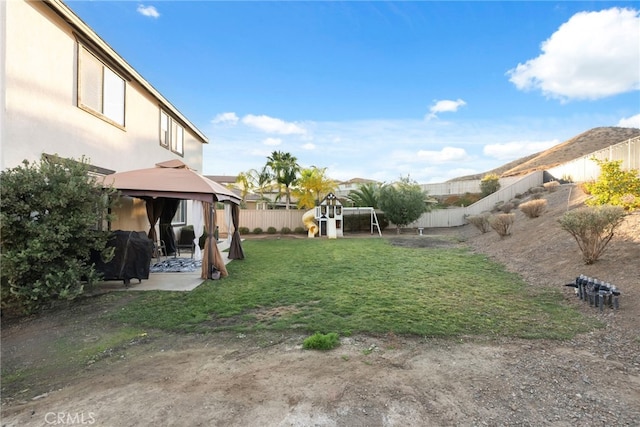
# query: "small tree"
[[614, 186], [403, 202], [51, 214], [593, 228], [489, 184]]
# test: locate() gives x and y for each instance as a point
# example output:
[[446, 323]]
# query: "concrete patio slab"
[[183, 281]]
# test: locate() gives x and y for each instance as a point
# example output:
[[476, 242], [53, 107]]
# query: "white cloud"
[[517, 149], [630, 122], [149, 11], [309, 146], [447, 154], [272, 125], [444, 106], [230, 118], [272, 141], [593, 55]]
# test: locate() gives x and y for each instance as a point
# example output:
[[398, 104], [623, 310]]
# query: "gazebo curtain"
[[166, 229], [154, 210], [208, 257], [198, 228], [235, 249]]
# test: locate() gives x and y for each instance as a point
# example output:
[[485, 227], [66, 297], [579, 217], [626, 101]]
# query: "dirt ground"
[[228, 379]]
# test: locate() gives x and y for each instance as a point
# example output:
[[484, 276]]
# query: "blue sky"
[[382, 90]]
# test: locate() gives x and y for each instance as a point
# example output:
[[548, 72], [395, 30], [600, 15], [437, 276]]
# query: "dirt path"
[[225, 379]]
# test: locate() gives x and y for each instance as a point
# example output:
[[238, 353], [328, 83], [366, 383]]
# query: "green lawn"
[[361, 286]]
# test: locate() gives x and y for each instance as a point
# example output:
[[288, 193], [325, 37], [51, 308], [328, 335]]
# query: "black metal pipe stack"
[[597, 292]]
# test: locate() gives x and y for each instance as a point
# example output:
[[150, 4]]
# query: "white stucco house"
[[65, 91]]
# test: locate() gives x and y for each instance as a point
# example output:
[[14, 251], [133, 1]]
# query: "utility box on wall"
[[330, 217]]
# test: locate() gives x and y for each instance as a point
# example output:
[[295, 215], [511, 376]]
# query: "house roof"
[[96, 42]]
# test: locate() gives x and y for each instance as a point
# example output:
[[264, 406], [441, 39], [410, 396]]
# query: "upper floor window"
[[100, 89], [171, 134]]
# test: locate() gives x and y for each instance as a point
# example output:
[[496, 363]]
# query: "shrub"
[[592, 228], [481, 222], [300, 230], [537, 190], [536, 196], [533, 208], [243, 230], [615, 186], [502, 223], [507, 207], [257, 230], [271, 230], [489, 184], [320, 341], [50, 213], [285, 230], [551, 186]]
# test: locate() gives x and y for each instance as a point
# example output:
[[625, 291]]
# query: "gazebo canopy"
[[170, 179]]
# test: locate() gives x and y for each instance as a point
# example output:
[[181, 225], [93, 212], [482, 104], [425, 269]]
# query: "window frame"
[[170, 133], [112, 106]]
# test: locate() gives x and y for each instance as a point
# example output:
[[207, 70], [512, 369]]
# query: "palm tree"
[[285, 170], [253, 182], [366, 195], [313, 185]]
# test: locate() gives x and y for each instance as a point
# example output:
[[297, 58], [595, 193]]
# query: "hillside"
[[578, 146]]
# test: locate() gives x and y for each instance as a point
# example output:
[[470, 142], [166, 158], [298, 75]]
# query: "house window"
[[164, 129], [180, 218], [171, 134], [100, 90]]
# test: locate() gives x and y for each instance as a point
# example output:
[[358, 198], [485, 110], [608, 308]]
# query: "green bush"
[[271, 230], [592, 228], [257, 230], [50, 214], [285, 230], [489, 184], [502, 223], [614, 186], [300, 230], [243, 230], [320, 341], [533, 208]]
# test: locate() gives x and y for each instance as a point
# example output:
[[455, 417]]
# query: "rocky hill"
[[578, 146]]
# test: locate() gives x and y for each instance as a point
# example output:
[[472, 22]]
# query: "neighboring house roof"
[[90, 36], [358, 181], [223, 179]]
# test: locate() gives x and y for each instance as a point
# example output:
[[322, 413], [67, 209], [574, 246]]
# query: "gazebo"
[[163, 186]]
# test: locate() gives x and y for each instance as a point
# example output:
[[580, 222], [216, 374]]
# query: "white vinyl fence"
[[456, 216], [585, 169]]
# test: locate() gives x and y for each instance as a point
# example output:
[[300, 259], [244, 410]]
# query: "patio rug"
[[176, 265]]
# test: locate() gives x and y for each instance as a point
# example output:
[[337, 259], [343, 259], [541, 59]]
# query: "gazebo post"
[[210, 232]]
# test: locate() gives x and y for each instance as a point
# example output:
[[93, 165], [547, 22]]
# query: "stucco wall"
[[41, 113]]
